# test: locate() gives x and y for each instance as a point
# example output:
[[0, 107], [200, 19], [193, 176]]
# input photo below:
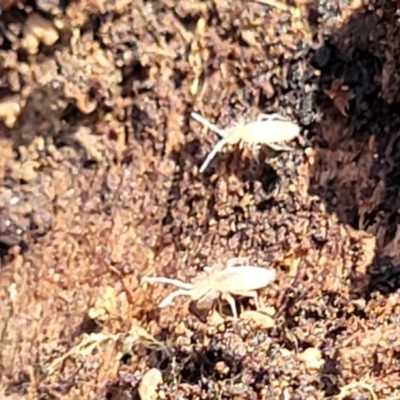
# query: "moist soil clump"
[[100, 186]]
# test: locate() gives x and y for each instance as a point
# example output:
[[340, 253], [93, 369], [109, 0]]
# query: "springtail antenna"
[[171, 296], [217, 148], [161, 279], [208, 124]]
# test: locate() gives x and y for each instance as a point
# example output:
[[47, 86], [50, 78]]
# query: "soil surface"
[[100, 186]]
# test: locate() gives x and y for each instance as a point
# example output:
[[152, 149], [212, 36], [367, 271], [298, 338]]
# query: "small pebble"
[[149, 383]]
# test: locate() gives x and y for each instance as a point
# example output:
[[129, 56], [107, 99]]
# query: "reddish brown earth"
[[100, 186]]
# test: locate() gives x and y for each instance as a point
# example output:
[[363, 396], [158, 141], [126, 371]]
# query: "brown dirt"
[[100, 185]]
